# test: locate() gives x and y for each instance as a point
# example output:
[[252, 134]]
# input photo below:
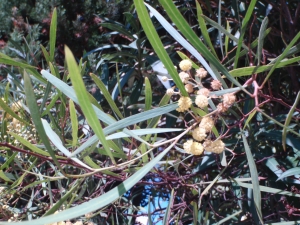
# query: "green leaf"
[[52, 39], [203, 29], [74, 123], [8, 110], [282, 56], [249, 119], [290, 172], [262, 30], [61, 201], [36, 117], [84, 101], [148, 94], [4, 176], [168, 210], [243, 31], [254, 176], [46, 54], [69, 92], [288, 120], [119, 28], [98, 202], [189, 34], [127, 122], [157, 44], [107, 95], [246, 71]]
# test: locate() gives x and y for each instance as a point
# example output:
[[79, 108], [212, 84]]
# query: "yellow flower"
[[216, 85], [217, 146], [184, 77], [229, 99], [193, 147], [185, 65], [207, 123], [201, 73], [199, 134], [201, 101], [184, 104], [204, 91]]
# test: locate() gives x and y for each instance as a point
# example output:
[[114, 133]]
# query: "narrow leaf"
[[84, 101]]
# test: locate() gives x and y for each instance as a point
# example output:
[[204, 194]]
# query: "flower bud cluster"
[[203, 138]]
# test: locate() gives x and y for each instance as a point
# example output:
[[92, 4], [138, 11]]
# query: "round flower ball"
[[185, 65], [201, 101]]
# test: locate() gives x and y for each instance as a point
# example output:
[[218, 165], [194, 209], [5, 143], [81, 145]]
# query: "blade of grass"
[[84, 101], [107, 95], [157, 44], [288, 120], [74, 122], [254, 176], [282, 56], [36, 118], [243, 31], [203, 29], [262, 30], [52, 38], [189, 34]]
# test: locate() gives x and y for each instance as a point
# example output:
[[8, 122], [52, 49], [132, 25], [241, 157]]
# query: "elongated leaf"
[[254, 176], [243, 31], [148, 94], [168, 210], [84, 102], [58, 143], [290, 172], [262, 30], [8, 110], [288, 120], [282, 56], [119, 28], [189, 34], [74, 122], [246, 71], [52, 39], [62, 200], [107, 95], [99, 202], [69, 92], [157, 44], [36, 117], [203, 29]]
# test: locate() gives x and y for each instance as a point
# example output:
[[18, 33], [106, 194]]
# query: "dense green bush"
[[106, 135]]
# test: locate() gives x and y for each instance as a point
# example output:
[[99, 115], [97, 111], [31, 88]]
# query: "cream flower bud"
[[217, 146], [189, 88], [170, 91], [184, 104], [222, 107], [229, 99], [185, 65], [207, 123], [187, 146], [184, 77], [199, 134], [201, 73], [216, 85], [197, 148], [193, 147], [204, 91], [201, 101], [164, 78]]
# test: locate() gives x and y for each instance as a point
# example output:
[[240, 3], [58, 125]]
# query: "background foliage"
[[132, 161]]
